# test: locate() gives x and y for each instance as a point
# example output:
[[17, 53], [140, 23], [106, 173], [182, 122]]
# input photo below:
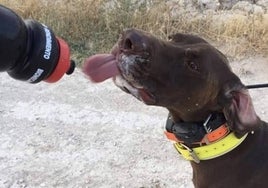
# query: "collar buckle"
[[207, 129], [191, 153]]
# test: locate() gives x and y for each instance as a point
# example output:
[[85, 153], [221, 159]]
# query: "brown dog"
[[194, 82]]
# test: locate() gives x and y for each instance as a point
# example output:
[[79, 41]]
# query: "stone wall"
[[243, 5]]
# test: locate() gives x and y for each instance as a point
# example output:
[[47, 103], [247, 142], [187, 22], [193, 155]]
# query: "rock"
[[263, 4], [227, 4], [248, 7]]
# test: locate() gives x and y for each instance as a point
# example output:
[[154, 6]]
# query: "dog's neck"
[[191, 116]]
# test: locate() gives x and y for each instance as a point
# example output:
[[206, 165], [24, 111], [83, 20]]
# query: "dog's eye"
[[192, 65]]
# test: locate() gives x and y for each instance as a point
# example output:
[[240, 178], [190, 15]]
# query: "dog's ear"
[[177, 38], [181, 38], [239, 110]]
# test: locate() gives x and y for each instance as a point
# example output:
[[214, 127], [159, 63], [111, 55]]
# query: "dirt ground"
[[78, 134]]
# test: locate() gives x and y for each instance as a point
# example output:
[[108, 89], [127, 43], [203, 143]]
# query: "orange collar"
[[210, 137], [198, 133]]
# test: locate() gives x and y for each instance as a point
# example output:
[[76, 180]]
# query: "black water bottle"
[[29, 50]]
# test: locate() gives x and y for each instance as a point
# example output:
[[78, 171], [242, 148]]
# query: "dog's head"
[[185, 74]]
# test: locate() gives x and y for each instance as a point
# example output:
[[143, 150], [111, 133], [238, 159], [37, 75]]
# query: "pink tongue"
[[100, 67]]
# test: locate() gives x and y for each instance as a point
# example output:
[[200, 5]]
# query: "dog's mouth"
[[133, 61], [139, 92], [130, 65], [133, 78]]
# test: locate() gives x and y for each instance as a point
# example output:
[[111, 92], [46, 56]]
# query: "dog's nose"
[[133, 41]]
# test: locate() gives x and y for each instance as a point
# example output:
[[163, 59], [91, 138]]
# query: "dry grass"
[[92, 26]]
